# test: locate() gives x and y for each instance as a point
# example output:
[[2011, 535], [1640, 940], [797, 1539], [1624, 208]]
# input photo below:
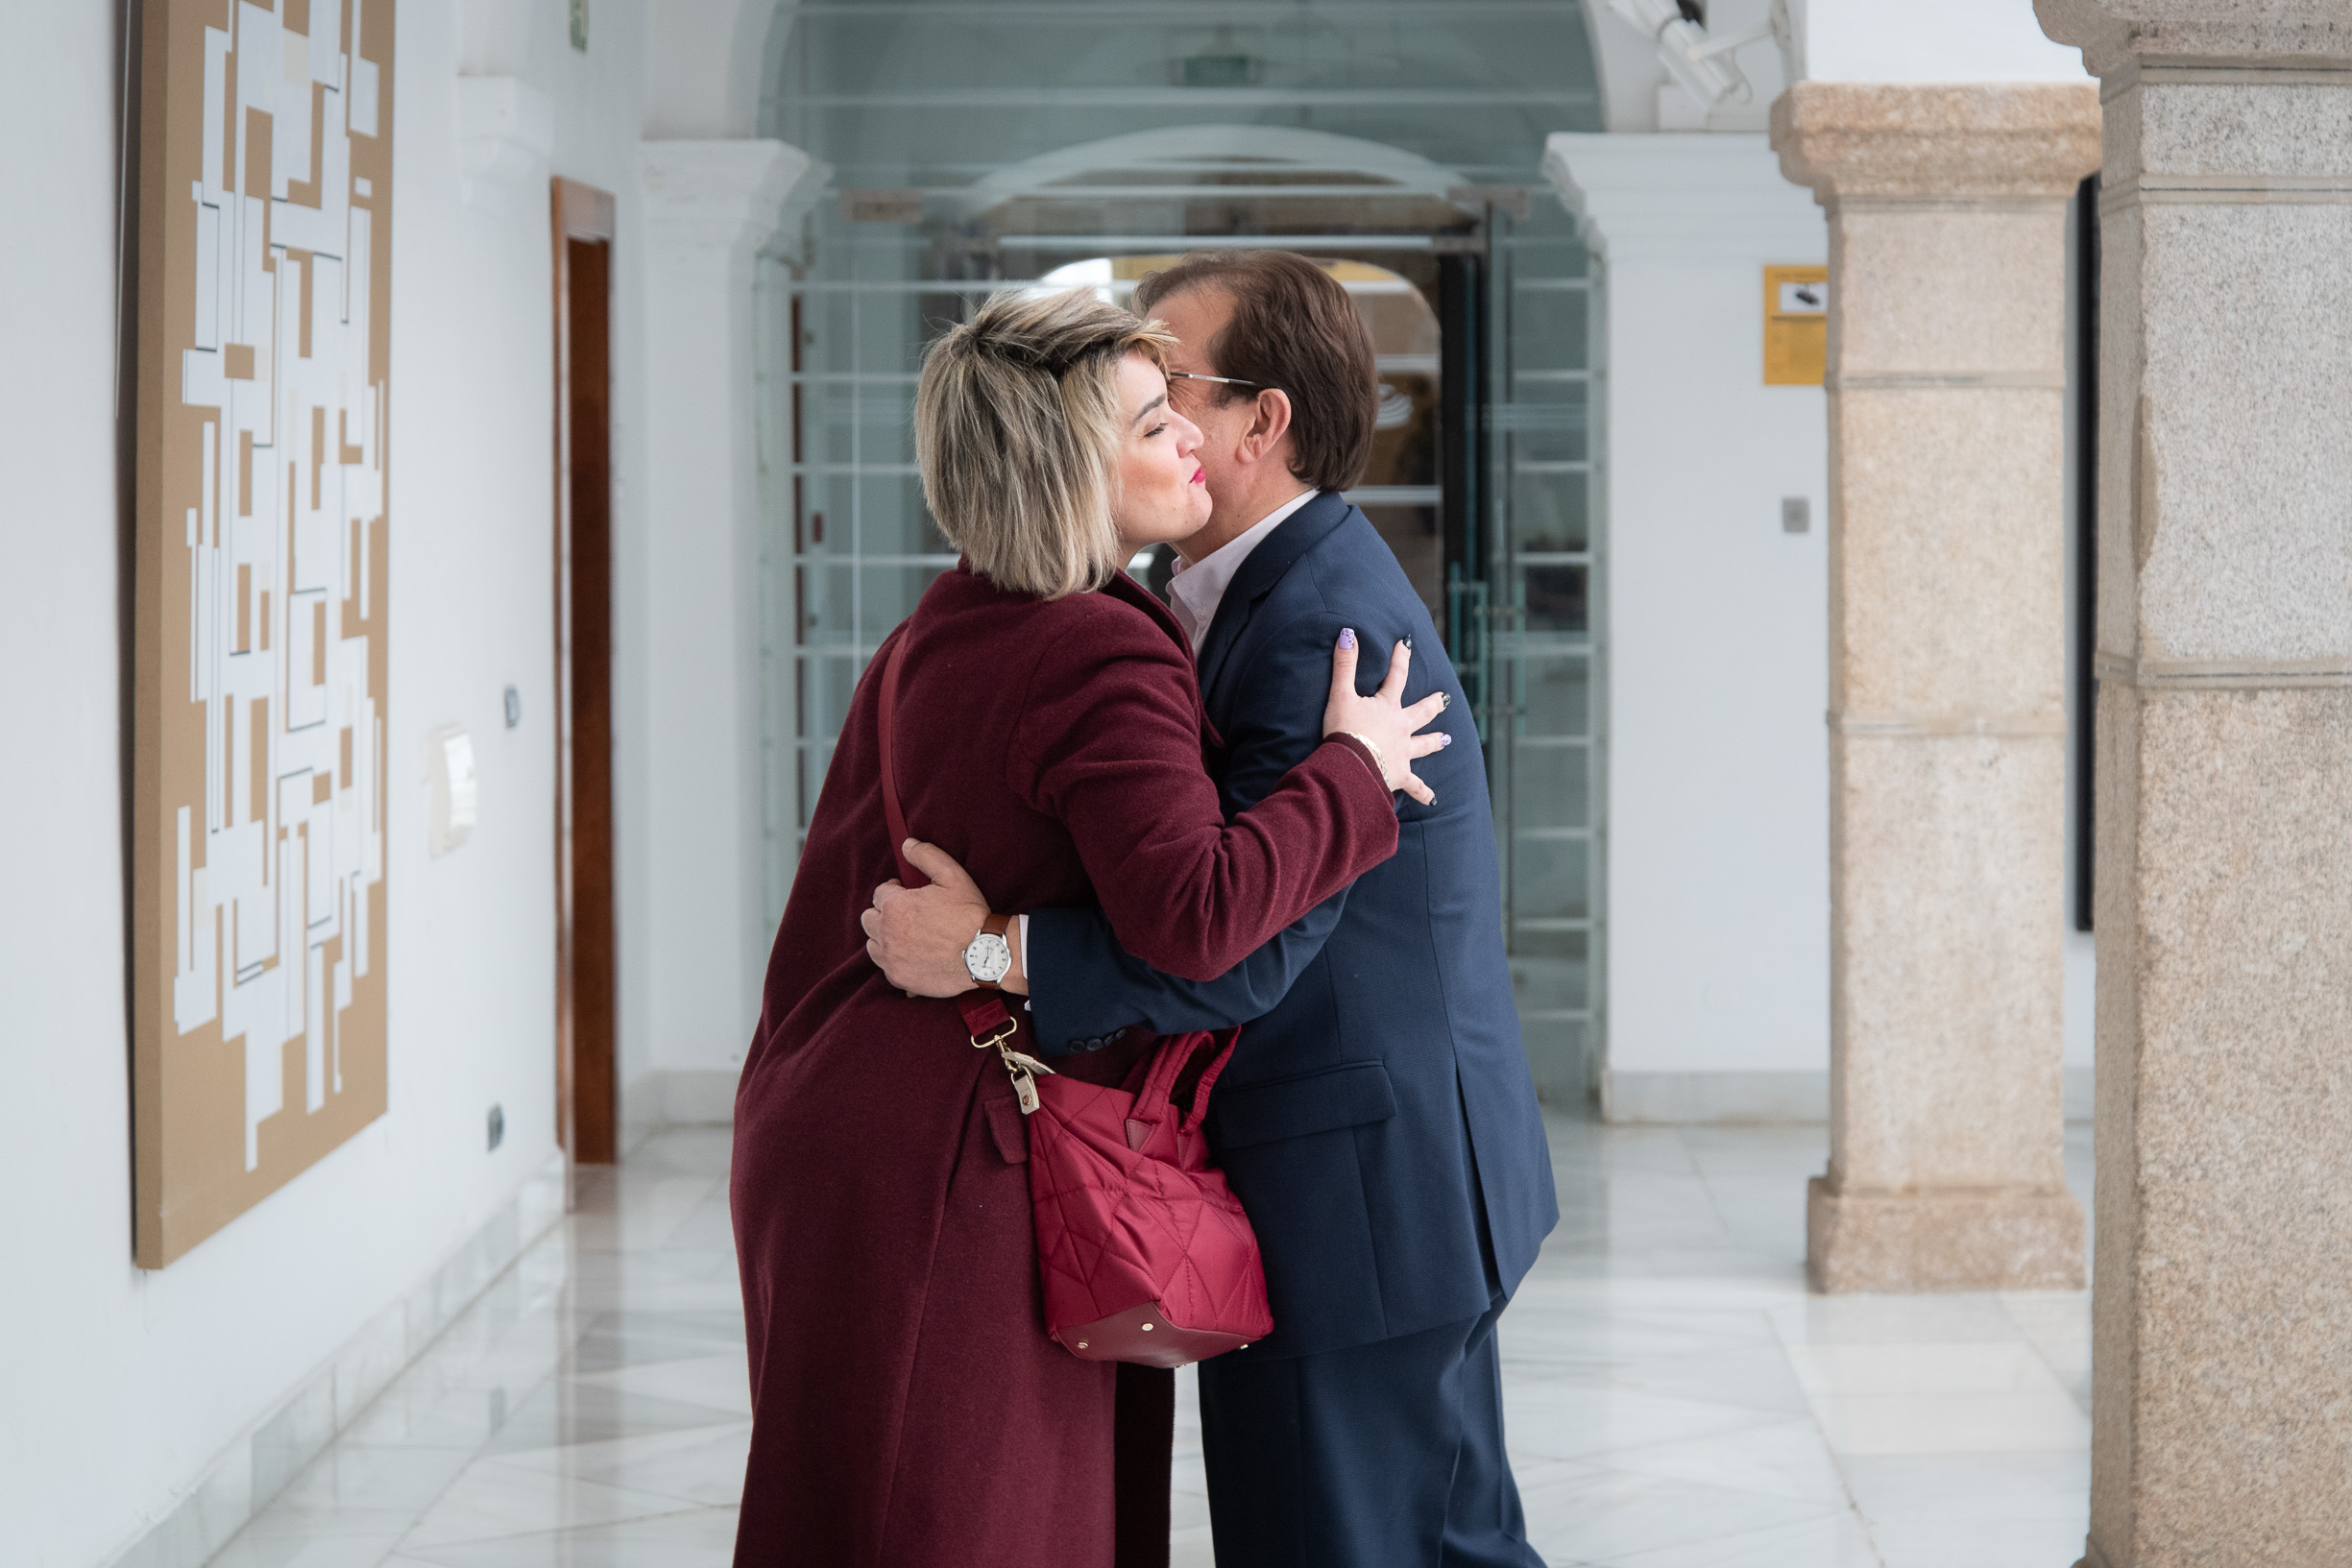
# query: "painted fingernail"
[[1443, 702], [1347, 637], [1408, 642], [1443, 741]]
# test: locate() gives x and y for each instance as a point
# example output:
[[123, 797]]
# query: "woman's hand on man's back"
[[1382, 721]]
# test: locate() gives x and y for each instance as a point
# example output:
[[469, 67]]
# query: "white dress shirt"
[[1199, 587]]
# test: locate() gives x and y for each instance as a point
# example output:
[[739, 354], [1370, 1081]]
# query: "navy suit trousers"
[[1386, 1454]]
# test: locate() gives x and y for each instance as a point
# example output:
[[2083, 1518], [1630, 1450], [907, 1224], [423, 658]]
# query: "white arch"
[[704, 64], [1223, 149]]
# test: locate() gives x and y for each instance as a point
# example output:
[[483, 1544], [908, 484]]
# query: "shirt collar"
[[1199, 587]]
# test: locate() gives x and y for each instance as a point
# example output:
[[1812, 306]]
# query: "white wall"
[[1718, 789], [1930, 41], [705, 65], [138, 1380]]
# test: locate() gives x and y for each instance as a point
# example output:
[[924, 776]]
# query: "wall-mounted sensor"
[[497, 1126], [1796, 514], [514, 708], [448, 771]]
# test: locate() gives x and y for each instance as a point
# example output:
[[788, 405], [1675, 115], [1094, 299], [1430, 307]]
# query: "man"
[[1378, 1118]]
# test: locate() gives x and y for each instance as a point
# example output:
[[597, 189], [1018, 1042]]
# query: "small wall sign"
[[1796, 325]]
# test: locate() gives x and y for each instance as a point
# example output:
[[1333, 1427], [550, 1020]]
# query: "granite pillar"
[[2221, 1387], [1946, 210]]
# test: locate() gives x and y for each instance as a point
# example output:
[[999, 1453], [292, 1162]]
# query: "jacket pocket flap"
[[1338, 1097]]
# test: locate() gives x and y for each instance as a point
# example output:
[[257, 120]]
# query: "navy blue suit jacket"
[[1380, 1097]]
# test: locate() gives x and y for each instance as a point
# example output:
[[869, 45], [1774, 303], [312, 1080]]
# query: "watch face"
[[989, 957]]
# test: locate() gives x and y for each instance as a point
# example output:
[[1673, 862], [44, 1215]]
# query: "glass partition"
[[979, 144]]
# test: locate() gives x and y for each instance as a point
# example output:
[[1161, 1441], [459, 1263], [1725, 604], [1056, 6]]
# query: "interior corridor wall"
[[121, 1386]]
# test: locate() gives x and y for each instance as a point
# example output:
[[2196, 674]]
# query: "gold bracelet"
[[1380, 764]]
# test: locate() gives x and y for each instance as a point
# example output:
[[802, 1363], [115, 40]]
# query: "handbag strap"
[[891, 813], [983, 1011]]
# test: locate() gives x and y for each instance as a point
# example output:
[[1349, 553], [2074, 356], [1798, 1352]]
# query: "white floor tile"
[[350, 1551], [1952, 1424], [722, 1383], [701, 1464], [1945, 1543], [1831, 1541], [1880, 1398], [1971, 1486], [1675, 1397], [703, 1538], [1786, 1460], [1611, 1516], [1896, 1320], [494, 1499], [1556, 1419]]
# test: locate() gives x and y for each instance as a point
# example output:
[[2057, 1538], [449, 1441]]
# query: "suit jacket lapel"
[[1296, 535]]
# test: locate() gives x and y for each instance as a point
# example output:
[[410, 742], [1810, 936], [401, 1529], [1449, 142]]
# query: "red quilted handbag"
[[1144, 1252]]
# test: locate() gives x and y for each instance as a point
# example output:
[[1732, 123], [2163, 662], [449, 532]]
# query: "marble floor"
[[1675, 1397]]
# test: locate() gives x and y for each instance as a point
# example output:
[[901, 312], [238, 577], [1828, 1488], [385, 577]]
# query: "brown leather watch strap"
[[993, 926]]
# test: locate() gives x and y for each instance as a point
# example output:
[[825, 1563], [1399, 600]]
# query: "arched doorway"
[[989, 144]]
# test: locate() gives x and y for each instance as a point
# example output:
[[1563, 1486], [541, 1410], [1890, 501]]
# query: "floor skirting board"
[[676, 1098], [1684, 1099], [256, 1466], [2079, 1081]]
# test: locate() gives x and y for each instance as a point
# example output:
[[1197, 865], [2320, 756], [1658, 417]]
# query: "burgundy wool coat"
[[908, 1410]]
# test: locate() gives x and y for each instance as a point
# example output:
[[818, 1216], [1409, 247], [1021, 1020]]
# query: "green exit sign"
[[579, 25]]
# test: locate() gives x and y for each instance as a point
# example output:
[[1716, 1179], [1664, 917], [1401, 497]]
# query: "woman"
[[909, 1410]]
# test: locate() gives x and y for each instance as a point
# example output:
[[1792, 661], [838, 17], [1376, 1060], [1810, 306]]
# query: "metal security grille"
[[1544, 755]]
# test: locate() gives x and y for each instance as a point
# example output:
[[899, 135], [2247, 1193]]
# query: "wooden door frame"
[[587, 1068]]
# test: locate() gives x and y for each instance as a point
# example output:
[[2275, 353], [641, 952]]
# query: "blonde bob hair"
[[1017, 427]]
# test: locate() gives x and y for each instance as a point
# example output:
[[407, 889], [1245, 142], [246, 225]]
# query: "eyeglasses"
[[1221, 381]]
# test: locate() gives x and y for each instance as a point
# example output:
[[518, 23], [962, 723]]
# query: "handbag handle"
[[1158, 1096]]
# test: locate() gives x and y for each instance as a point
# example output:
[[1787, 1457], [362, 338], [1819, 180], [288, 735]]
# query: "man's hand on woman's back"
[[916, 935]]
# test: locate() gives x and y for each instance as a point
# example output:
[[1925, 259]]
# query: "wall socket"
[[1796, 514], [497, 1126]]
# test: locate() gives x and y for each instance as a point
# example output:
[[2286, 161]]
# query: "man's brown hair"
[[1294, 330]]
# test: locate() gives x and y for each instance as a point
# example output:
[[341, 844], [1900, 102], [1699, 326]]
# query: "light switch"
[[448, 768], [1796, 514]]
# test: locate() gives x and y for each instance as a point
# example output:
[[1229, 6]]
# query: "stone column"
[[1946, 718], [709, 206], [2221, 1369]]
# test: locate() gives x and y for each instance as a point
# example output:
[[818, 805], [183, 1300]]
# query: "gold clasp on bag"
[[1003, 1032], [1023, 1071]]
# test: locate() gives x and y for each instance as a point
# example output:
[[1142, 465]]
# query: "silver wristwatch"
[[989, 957]]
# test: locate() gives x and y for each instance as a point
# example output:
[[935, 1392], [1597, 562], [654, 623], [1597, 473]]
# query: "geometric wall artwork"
[[257, 882]]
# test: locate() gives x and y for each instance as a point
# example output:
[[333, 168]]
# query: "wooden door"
[[587, 1093]]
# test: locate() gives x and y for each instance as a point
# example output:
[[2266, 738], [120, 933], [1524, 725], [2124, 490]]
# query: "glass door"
[[1535, 600]]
